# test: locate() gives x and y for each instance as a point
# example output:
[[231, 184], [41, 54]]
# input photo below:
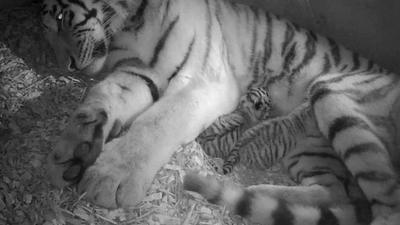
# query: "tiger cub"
[[327, 188], [219, 138]]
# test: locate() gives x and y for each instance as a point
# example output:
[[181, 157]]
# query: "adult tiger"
[[172, 67]]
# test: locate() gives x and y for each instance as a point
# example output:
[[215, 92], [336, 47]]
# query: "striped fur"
[[282, 205], [194, 59], [261, 146], [219, 138], [309, 157]]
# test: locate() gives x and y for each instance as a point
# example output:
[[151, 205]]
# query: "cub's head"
[[79, 31]]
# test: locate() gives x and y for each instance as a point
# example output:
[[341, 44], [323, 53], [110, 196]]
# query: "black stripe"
[[356, 61], [327, 217], [185, 59], [335, 51], [209, 24], [292, 164], [123, 4], [378, 93], [84, 51], [374, 176], [138, 18], [288, 60], [78, 32], [341, 77], [360, 149], [140, 11], [149, 82], [282, 215], [319, 94], [166, 10], [370, 80], [91, 14], [254, 36], [343, 68], [343, 123], [313, 35], [125, 88], [108, 12], [362, 209], [327, 64], [114, 47], [307, 174], [267, 41], [289, 35], [99, 50], [378, 202], [316, 154], [280, 139], [370, 64], [161, 42], [71, 18], [311, 50]]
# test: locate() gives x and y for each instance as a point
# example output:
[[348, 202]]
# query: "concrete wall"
[[370, 27]]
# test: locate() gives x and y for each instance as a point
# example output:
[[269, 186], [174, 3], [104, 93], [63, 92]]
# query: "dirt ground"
[[35, 101]]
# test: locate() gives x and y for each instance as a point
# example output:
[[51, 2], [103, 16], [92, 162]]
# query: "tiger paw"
[[80, 144], [117, 179]]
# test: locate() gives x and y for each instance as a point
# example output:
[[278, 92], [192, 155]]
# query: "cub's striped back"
[[218, 139]]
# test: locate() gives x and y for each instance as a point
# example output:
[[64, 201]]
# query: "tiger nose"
[[72, 64]]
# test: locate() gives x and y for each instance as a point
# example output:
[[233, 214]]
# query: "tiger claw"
[[79, 146]]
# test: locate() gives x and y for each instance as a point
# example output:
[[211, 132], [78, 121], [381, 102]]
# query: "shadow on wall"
[[369, 27], [4, 4]]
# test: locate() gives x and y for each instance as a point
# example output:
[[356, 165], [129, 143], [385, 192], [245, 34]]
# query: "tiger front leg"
[[109, 106], [124, 171]]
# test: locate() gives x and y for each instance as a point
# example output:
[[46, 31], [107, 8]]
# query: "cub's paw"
[[116, 180], [80, 144]]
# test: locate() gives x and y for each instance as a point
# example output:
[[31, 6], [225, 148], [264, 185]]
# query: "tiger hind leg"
[[353, 136]]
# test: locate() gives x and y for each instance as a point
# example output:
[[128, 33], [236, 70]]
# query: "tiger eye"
[[60, 16]]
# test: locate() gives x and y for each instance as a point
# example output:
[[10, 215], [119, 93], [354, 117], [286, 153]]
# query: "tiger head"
[[257, 104], [80, 31]]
